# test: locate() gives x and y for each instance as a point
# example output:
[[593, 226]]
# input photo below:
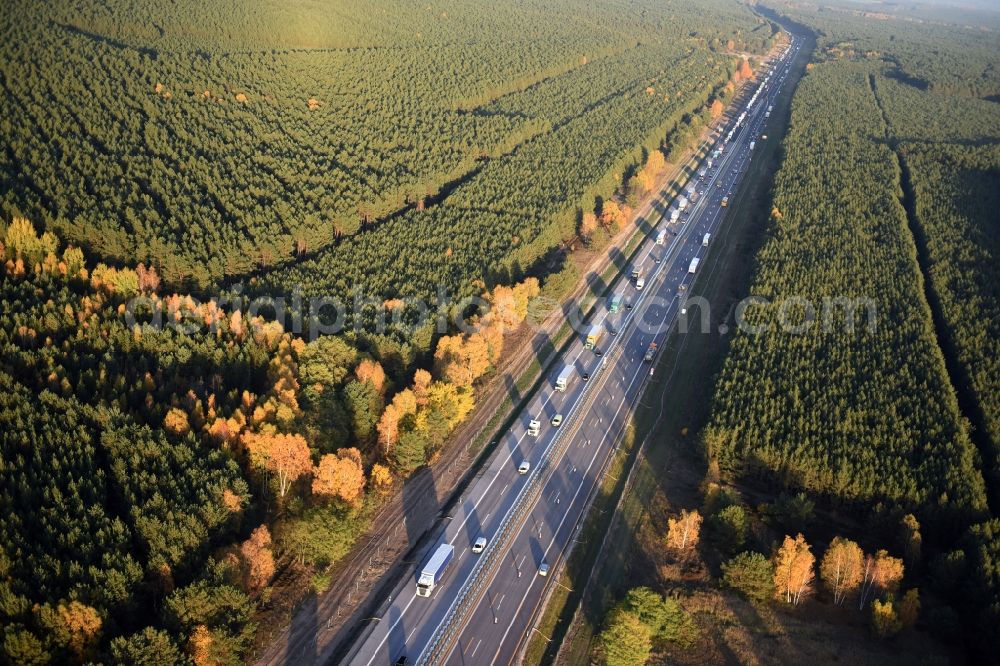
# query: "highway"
[[484, 606]]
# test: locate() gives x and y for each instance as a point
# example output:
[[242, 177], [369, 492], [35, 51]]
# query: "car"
[[628, 304], [543, 569], [524, 467], [598, 352], [683, 287], [718, 185], [585, 376], [612, 330], [557, 420], [403, 661], [479, 545]]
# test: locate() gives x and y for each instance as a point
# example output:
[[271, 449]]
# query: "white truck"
[[694, 265], [682, 203], [562, 381], [640, 283], [705, 239], [433, 571], [661, 237], [674, 215], [534, 427]]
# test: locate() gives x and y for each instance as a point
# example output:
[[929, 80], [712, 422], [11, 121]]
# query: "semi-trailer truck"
[[593, 336], [562, 381], [693, 266], [433, 571]]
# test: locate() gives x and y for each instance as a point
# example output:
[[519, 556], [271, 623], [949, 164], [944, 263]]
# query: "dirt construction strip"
[[322, 627]]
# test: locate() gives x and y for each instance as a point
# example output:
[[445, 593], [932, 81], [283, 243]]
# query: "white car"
[[524, 467], [479, 545], [557, 420]]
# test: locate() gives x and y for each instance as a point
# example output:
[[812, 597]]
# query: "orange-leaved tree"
[[881, 572], [793, 570], [286, 456], [340, 475], [257, 559], [683, 532], [80, 629]]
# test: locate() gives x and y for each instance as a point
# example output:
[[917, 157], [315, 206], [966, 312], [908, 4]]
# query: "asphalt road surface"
[[482, 609]]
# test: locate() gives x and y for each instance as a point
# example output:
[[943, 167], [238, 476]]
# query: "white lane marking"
[[476, 648], [378, 648]]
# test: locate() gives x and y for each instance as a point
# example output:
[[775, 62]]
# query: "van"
[[534, 427]]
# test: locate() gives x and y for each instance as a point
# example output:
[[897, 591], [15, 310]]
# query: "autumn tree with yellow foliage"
[[683, 532], [286, 456], [257, 559], [841, 569], [340, 476], [793, 570]]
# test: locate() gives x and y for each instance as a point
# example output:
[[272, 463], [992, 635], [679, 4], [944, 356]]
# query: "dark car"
[[598, 352], [628, 304], [402, 661], [585, 376]]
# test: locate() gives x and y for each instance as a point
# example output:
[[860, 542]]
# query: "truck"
[[705, 239], [650, 353], [725, 201], [433, 570], [534, 427], [674, 215], [562, 381], [694, 265], [640, 283], [682, 203], [616, 302], [636, 272], [661, 237], [593, 336], [752, 144]]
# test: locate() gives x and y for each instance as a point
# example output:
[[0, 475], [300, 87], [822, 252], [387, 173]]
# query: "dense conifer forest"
[[165, 456], [219, 140], [887, 193]]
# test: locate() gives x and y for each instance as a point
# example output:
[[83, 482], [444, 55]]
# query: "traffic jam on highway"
[[474, 594]]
